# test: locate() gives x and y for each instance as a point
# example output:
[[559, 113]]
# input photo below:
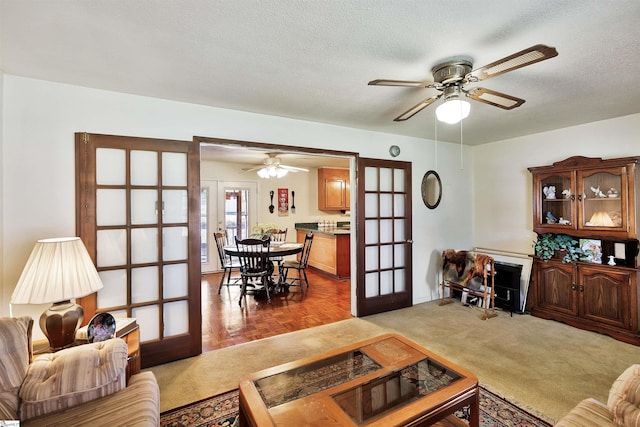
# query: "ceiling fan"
[[452, 77], [272, 167]]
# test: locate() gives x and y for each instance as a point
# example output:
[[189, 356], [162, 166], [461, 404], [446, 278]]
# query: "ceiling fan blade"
[[406, 83], [294, 168], [497, 99], [521, 59], [416, 108], [253, 169]]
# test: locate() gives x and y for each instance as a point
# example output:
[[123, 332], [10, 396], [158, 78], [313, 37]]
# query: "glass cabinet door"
[[603, 193], [556, 195]]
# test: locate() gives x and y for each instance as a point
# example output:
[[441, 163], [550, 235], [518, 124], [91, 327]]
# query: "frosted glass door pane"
[[370, 205], [144, 167], [149, 317], [144, 284], [111, 207], [398, 180], [175, 206], [386, 256], [386, 282], [175, 243], [371, 231], [175, 281], [386, 205], [399, 230], [144, 245], [371, 179], [399, 251], [110, 166], [371, 285], [174, 169], [176, 318], [371, 258], [144, 207], [399, 284], [385, 179], [386, 232], [398, 205], [114, 290], [111, 248]]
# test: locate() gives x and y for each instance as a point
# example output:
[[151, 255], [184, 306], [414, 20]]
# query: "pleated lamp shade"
[[58, 270]]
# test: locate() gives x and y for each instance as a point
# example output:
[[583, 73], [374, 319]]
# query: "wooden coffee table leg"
[[474, 410]]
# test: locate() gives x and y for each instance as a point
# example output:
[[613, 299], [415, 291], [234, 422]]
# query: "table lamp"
[[58, 270]]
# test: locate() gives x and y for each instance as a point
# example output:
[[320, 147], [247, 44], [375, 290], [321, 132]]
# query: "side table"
[[126, 328]]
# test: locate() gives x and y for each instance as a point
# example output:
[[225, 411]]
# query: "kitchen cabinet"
[[588, 296], [333, 189], [587, 197], [330, 253]]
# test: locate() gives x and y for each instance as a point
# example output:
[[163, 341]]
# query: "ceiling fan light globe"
[[453, 111], [281, 172], [263, 173]]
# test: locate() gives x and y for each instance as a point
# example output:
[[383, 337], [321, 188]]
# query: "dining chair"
[[228, 264], [299, 265], [255, 266], [279, 236]]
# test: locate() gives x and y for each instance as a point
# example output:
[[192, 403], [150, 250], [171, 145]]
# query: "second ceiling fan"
[[452, 77], [272, 167]]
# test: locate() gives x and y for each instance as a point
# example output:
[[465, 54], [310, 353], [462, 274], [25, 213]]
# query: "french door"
[[237, 208], [384, 236], [138, 213]]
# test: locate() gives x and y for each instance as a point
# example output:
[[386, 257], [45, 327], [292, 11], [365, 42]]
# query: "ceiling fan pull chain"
[[461, 142], [435, 121]]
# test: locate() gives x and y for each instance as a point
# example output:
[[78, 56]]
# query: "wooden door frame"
[[291, 149]]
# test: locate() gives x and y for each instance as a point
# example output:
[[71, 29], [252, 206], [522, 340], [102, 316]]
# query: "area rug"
[[222, 411]]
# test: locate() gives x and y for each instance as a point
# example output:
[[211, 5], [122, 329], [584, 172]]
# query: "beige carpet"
[[542, 365]]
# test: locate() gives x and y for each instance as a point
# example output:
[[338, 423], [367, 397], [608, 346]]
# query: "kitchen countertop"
[[342, 228]]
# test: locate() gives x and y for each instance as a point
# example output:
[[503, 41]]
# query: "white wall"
[[502, 185], [4, 293], [38, 199]]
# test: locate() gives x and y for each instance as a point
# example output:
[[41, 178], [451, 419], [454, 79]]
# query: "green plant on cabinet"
[[548, 244]]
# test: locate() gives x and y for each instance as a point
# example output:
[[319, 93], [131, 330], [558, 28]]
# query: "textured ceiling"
[[312, 59]]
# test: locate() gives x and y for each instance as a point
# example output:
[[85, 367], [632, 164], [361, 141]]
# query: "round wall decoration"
[[394, 150], [431, 189]]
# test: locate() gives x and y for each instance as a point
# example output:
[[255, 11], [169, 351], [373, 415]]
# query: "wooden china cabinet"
[[595, 201]]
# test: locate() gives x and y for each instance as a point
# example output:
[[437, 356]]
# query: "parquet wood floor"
[[225, 323]]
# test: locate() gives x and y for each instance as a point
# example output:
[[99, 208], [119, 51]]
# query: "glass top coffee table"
[[383, 381]]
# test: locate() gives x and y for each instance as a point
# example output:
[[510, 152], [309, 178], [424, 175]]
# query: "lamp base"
[[60, 323]]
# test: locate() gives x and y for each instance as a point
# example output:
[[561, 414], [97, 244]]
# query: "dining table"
[[277, 250]]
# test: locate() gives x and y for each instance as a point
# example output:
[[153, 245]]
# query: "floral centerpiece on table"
[[262, 230]]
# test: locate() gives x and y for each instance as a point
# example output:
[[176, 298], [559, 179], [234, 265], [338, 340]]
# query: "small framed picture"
[[101, 327], [591, 250]]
